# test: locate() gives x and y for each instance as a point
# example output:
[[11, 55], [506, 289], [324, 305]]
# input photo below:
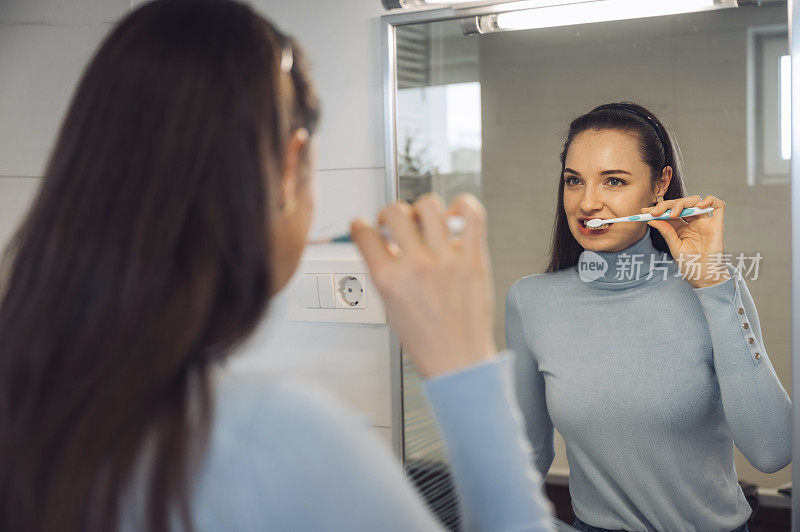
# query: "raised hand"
[[437, 290], [696, 240]]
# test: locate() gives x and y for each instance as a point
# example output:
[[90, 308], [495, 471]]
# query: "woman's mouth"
[[592, 231]]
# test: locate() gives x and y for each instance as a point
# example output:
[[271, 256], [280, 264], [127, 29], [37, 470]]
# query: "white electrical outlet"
[[335, 290], [350, 291]]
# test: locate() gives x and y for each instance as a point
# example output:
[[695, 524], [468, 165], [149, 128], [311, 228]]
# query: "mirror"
[[488, 114]]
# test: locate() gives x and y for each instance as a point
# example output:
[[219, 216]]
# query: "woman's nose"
[[591, 201]]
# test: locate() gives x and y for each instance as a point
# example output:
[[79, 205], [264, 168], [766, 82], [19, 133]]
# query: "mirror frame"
[[390, 22]]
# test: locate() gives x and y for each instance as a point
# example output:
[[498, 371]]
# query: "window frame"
[[758, 152]]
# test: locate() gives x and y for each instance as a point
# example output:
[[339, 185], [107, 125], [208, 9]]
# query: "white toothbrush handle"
[[689, 211]]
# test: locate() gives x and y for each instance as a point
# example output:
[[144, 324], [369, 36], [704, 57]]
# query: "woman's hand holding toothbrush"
[[696, 242], [438, 291]]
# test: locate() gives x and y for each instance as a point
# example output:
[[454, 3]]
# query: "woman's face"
[[605, 177]]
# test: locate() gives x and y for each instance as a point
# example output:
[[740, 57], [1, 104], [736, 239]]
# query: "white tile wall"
[[343, 195], [61, 12], [343, 42], [39, 68]]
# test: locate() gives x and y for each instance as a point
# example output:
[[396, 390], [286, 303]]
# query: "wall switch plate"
[[327, 291], [339, 288], [308, 291]]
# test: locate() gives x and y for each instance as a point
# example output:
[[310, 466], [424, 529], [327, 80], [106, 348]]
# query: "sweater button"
[[758, 356], [751, 341], [740, 311], [745, 325]]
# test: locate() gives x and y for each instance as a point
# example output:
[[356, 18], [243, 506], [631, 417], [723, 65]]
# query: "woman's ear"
[[662, 184], [294, 160]]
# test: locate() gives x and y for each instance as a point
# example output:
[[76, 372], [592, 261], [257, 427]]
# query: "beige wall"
[[691, 71]]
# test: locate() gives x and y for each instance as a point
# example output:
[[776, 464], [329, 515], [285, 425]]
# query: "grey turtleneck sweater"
[[651, 382]]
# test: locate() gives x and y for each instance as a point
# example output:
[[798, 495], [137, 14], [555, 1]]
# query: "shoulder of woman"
[[271, 439], [265, 429], [539, 284], [254, 408]]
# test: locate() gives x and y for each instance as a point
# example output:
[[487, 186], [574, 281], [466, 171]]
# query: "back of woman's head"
[[145, 256], [657, 148]]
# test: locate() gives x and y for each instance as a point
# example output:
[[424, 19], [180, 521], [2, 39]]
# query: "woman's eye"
[[572, 180], [615, 182]]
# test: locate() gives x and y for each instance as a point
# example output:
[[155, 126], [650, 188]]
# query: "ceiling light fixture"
[[586, 12]]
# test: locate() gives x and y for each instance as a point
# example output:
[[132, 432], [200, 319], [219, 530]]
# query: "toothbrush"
[[690, 211], [455, 224]]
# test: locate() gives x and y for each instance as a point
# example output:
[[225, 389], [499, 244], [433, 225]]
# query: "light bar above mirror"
[[495, 6], [584, 13]]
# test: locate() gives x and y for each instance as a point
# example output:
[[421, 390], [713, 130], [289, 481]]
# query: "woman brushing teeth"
[[650, 370]]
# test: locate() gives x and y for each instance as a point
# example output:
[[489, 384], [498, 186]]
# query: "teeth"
[[595, 228]]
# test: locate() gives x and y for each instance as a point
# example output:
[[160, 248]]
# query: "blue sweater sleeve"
[[288, 456], [757, 408], [529, 386], [292, 457], [491, 460]]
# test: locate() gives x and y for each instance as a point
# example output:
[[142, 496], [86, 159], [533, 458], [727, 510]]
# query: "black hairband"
[[641, 114]]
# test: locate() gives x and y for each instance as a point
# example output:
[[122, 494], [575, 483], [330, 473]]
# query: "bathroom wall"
[[43, 47]]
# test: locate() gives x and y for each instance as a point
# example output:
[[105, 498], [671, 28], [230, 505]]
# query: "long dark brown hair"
[[657, 147], [145, 256]]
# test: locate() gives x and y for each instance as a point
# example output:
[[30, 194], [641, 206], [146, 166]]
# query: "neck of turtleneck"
[[618, 270]]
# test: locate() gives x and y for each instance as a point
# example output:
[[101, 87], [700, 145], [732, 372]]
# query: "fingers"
[[675, 205], [430, 235], [430, 210], [682, 203], [474, 214], [668, 231], [677, 224], [372, 247], [713, 201], [407, 237], [400, 219]]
